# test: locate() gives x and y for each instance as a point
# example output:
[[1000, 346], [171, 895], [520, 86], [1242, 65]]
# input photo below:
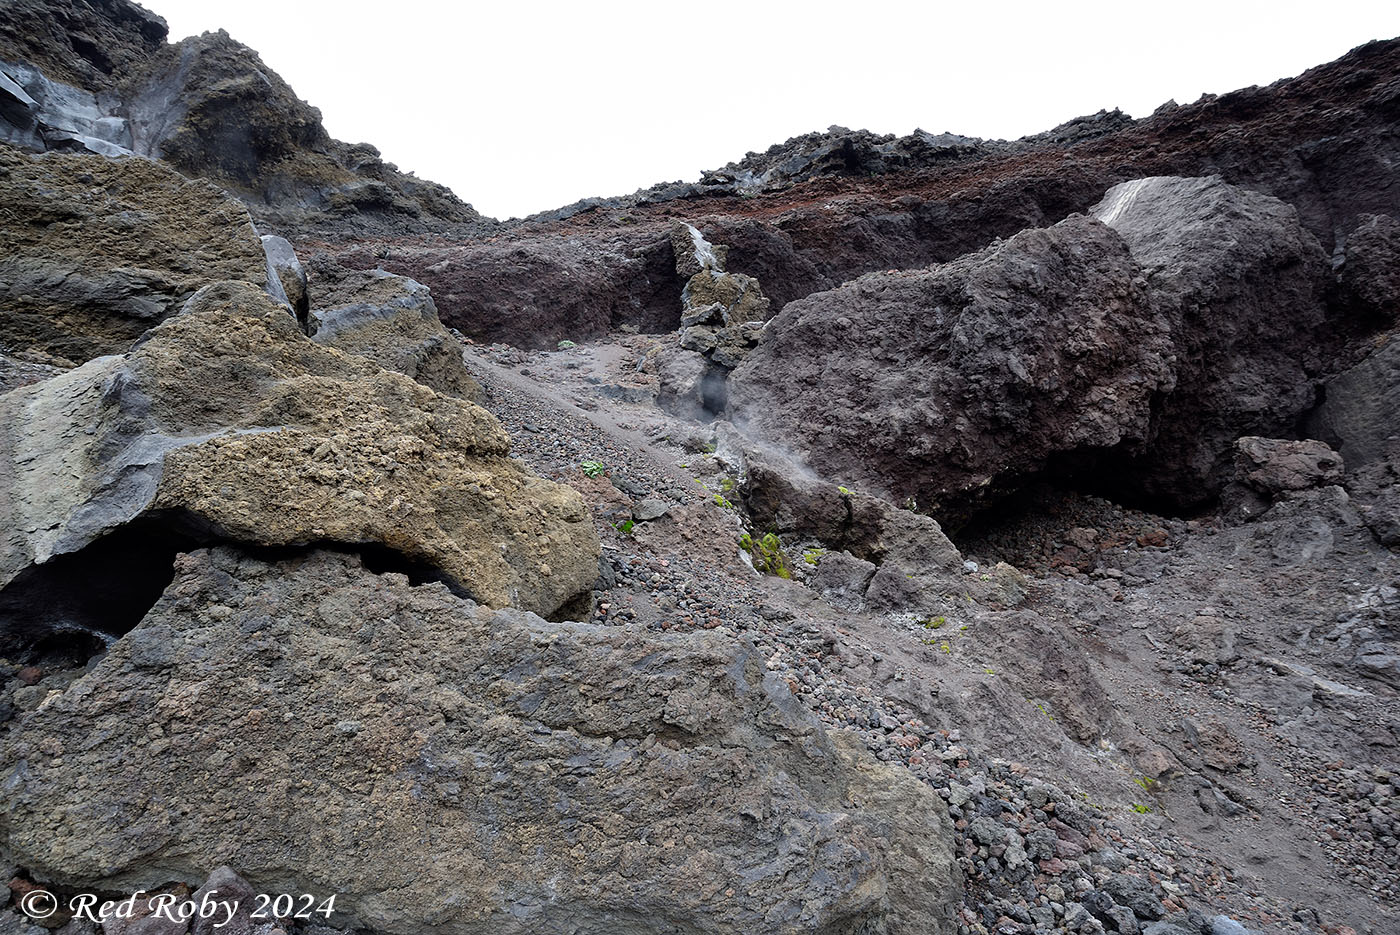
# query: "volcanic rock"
[[934, 384], [683, 382], [546, 778], [99, 76], [910, 559], [92, 44], [22, 370], [227, 423], [95, 251], [38, 114], [1241, 284], [391, 320], [1375, 489], [1274, 465], [841, 579], [1370, 266], [1269, 468], [1357, 416], [536, 293], [284, 272], [722, 313], [1358, 410]]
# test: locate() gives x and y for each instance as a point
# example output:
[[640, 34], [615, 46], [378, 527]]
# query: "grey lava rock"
[[842, 579], [650, 509], [1275, 465], [1357, 415], [285, 273], [545, 777], [1370, 269], [688, 384], [390, 320], [1269, 468]]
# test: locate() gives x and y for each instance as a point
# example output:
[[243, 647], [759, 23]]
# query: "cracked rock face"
[[94, 251], [450, 769], [228, 423]]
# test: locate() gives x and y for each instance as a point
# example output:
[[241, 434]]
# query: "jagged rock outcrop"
[[229, 424], [38, 115], [544, 778], [940, 384], [722, 313], [211, 108], [100, 76], [392, 321], [95, 251], [90, 44], [1242, 285], [535, 293], [722, 316]]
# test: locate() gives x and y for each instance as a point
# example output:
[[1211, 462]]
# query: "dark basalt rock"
[[941, 385]]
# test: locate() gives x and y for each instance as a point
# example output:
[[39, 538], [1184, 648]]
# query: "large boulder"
[[94, 251], [1241, 283], [934, 384], [393, 321], [893, 559], [229, 424], [1277, 466], [685, 383], [1269, 469], [446, 769]]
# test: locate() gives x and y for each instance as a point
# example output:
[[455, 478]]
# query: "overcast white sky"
[[524, 106]]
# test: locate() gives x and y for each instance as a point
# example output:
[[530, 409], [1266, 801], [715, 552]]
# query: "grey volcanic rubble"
[[918, 535]]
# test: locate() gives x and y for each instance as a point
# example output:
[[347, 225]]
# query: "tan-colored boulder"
[[230, 424], [94, 251]]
